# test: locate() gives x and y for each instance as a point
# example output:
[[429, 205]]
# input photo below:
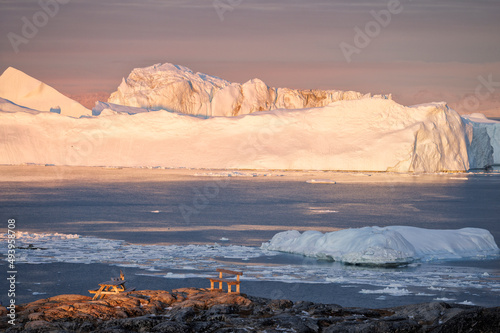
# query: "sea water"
[[172, 230]]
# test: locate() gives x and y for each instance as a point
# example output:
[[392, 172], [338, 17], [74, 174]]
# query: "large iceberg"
[[24, 90], [327, 130], [366, 134], [388, 245], [177, 88]]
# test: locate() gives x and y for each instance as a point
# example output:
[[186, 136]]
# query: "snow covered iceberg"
[[177, 88], [26, 91], [327, 130], [367, 134], [387, 245]]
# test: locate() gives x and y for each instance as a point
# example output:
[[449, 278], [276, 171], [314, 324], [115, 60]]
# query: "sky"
[[417, 50]]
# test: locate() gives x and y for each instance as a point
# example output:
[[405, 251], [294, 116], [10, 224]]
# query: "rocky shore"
[[202, 310]]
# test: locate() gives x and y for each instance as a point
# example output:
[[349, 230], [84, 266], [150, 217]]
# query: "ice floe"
[[387, 245]]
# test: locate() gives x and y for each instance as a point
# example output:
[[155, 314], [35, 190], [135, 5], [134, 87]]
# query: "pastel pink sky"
[[428, 50]]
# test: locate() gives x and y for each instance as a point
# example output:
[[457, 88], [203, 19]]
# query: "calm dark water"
[[249, 211], [206, 209]]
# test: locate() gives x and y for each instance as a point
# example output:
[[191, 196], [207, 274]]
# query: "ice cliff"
[[177, 88], [484, 138]]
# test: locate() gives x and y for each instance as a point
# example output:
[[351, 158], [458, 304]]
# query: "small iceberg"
[[387, 246], [321, 181]]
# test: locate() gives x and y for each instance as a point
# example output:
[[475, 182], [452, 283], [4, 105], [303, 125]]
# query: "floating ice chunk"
[[444, 299], [321, 211], [424, 294], [393, 291], [388, 245], [321, 181], [436, 288]]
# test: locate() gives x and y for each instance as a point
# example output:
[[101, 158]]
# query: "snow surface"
[[177, 88], [23, 90], [387, 245], [367, 134]]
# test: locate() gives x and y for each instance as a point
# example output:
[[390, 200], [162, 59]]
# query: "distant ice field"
[[172, 226]]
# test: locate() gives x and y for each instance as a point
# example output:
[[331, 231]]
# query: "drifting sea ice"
[[196, 261]]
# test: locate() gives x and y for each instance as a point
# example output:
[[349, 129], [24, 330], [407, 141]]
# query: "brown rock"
[[123, 301], [3, 311], [68, 298], [196, 310], [197, 304], [39, 325], [35, 316], [189, 291]]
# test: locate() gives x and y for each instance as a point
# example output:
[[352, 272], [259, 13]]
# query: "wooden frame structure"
[[112, 287], [230, 283]]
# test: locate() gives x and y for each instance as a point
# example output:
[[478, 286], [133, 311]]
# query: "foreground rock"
[[202, 310]]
